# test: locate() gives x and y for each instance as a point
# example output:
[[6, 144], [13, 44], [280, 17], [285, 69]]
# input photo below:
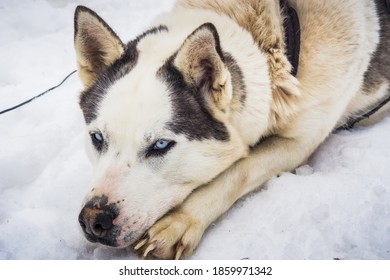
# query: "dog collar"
[[388, 5], [292, 33]]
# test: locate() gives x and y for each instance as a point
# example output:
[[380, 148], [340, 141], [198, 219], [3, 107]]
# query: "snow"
[[336, 206]]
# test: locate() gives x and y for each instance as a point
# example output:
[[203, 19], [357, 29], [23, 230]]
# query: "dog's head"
[[158, 119]]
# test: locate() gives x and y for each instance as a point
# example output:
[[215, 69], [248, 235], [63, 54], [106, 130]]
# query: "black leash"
[[37, 96], [351, 123]]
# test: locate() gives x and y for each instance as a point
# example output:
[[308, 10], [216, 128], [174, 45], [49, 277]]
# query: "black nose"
[[96, 220], [96, 223]]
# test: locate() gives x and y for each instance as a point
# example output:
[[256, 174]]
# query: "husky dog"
[[204, 107]]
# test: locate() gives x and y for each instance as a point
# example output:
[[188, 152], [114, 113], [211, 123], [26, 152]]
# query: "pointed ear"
[[97, 46], [201, 61]]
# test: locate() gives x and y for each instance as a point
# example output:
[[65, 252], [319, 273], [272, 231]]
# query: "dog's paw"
[[173, 237]]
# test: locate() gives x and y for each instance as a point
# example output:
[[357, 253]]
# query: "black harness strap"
[[292, 33], [388, 5]]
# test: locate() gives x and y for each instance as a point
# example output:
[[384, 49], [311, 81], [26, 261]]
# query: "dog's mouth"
[[108, 237], [115, 236], [106, 222], [101, 223]]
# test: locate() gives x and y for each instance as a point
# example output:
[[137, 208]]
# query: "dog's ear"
[[97, 46], [201, 61]]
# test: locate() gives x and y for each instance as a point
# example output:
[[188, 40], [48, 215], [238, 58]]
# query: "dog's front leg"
[[178, 233]]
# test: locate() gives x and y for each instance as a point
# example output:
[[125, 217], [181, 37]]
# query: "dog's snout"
[[96, 219]]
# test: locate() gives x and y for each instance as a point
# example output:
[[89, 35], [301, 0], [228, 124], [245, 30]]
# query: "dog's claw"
[[150, 248], [179, 252], [140, 244], [175, 236]]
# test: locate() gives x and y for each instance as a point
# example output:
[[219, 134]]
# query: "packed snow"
[[335, 206]]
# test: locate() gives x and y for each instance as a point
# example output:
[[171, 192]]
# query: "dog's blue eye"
[[160, 148], [161, 144], [98, 137], [97, 140]]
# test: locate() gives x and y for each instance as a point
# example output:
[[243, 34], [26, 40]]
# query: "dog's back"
[[251, 15]]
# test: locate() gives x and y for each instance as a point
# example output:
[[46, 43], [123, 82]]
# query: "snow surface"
[[336, 206]]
